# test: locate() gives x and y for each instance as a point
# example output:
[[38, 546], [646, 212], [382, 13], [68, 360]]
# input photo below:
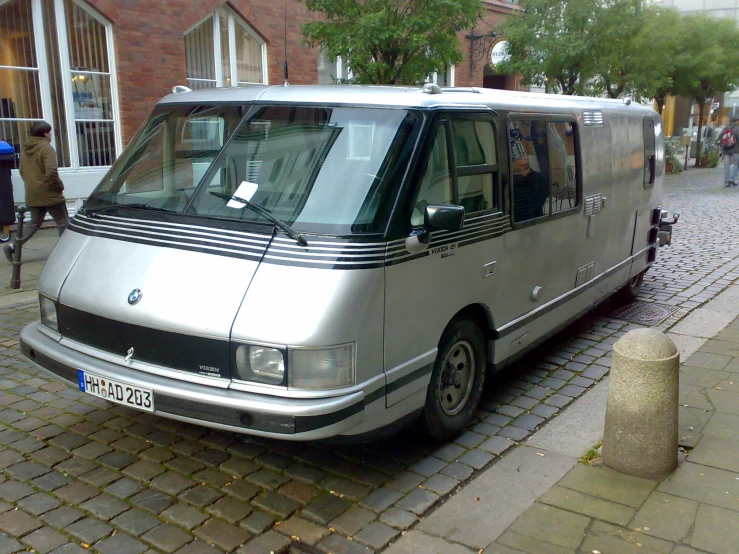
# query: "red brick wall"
[[150, 45]]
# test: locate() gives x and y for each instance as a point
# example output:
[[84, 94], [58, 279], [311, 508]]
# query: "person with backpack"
[[730, 147]]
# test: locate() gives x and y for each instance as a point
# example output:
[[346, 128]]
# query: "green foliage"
[[713, 159], [391, 41], [707, 64], [550, 44]]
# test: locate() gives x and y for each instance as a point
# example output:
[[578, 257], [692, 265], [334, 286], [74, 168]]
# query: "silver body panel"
[[392, 299]]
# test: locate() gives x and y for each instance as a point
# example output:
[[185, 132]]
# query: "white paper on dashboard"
[[246, 190]]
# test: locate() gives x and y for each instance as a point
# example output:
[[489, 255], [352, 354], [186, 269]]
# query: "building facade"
[[94, 68]]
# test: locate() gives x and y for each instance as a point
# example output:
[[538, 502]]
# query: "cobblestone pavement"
[[79, 473]]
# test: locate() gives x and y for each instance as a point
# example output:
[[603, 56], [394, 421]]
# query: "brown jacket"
[[38, 168]]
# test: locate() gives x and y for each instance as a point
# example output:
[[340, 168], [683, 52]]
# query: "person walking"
[[44, 189], [730, 147]]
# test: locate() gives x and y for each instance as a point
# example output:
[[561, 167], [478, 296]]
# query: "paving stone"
[[105, 506], [156, 454], [595, 372], [485, 429], [12, 491], [152, 500], [525, 402], [376, 535], [271, 541], [143, 470], [76, 493], [135, 521], [304, 531], [88, 530], [342, 545], [553, 383], [75, 466], [542, 410], [440, 484], [213, 477], [196, 547], [167, 537], [571, 390], [69, 548], [558, 400], [223, 535], [582, 382], [238, 467], [241, 490], [498, 420], [614, 539], [418, 501], [38, 503], [428, 466], [230, 509], [184, 515], [590, 506], [62, 517], [302, 492], [201, 496], [68, 441], [43, 540], [277, 504], [476, 458], [121, 544], [117, 459], [325, 509], [51, 481], [345, 487], [17, 523], [124, 488], [405, 481], [510, 411], [527, 421], [172, 483], [267, 479], [257, 522], [353, 520], [211, 456], [99, 477], [552, 525], [50, 456], [398, 518], [667, 517], [608, 485], [25, 471], [134, 445], [457, 471], [381, 499]]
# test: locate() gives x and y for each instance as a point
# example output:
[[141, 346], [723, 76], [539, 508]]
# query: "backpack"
[[728, 139]]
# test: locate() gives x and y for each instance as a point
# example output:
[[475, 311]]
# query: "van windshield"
[[319, 169]]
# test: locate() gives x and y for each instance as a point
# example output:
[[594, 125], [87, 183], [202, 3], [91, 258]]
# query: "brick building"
[[94, 68]]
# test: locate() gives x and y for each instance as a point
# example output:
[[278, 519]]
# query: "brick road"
[[78, 473]]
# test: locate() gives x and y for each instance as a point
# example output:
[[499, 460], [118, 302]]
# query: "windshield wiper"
[[103, 209], [292, 233]]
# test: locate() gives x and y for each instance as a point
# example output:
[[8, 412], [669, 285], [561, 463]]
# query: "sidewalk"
[[544, 497], [34, 256]]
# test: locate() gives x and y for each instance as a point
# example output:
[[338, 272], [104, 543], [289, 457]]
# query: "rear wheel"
[[630, 290], [456, 381]]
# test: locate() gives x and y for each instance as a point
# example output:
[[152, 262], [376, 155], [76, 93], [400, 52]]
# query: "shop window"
[[543, 167], [56, 64], [223, 51]]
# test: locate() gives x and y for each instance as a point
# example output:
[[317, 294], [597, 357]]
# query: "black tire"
[[630, 290], [456, 380]]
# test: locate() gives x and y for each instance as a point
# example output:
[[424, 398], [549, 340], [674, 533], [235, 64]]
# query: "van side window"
[[436, 186], [473, 183], [544, 168]]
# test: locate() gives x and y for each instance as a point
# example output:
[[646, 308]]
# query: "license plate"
[[116, 391]]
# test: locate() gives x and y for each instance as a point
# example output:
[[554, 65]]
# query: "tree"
[[634, 53], [707, 65], [391, 41], [550, 44]]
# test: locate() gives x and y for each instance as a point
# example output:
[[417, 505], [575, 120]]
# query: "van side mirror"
[[437, 217], [443, 217]]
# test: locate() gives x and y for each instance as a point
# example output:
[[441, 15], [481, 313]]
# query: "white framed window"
[[223, 51], [329, 72], [57, 64], [445, 79]]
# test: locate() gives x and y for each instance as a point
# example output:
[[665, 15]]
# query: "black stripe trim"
[[374, 395], [525, 320], [407, 379], [60, 370]]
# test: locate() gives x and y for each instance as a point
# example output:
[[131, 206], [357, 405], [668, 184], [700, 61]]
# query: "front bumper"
[[242, 412]]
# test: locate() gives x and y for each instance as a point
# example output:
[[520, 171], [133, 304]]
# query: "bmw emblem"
[[135, 296]]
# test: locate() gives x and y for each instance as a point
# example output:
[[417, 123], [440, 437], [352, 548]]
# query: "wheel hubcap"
[[457, 377]]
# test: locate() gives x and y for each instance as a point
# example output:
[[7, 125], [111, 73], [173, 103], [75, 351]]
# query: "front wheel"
[[456, 380]]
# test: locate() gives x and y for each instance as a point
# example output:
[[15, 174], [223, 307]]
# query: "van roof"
[[395, 96]]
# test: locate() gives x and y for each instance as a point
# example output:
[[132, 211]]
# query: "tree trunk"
[[698, 151]]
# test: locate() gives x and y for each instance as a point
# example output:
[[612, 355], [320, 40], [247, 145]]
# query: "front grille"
[[164, 348]]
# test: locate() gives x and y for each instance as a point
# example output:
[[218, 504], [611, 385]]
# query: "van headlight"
[[261, 364], [47, 309], [319, 369]]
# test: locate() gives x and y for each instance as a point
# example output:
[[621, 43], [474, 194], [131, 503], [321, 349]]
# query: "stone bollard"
[[640, 436]]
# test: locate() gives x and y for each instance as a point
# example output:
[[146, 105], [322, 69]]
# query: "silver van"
[[302, 262]]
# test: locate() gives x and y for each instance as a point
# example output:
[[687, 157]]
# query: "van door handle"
[[488, 269]]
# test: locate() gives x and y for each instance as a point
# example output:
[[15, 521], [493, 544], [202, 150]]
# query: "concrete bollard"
[[640, 436]]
